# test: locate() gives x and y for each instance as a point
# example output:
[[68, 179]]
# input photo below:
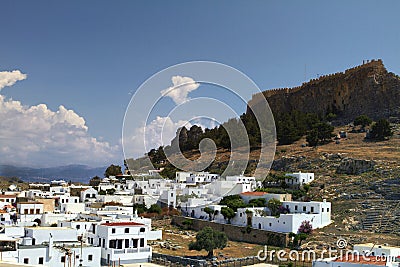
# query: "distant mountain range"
[[74, 173]]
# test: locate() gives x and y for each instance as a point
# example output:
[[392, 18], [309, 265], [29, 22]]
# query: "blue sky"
[[90, 56]]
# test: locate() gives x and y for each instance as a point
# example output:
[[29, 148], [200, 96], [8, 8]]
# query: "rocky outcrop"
[[355, 166], [366, 89]]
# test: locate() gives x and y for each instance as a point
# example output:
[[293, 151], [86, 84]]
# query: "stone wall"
[[366, 89], [238, 233]]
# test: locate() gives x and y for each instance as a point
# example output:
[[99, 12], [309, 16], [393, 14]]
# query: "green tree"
[[362, 120], [112, 170], [312, 137], [228, 213], [140, 208], [154, 208], [233, 201], [273, 205], [258, 202], [209, 239], [381, 130], [210, 212], [321, 132], [95, 181], [330, 116]]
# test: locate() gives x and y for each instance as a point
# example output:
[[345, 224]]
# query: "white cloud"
[[159, 132], [182, 86], [8, 78], [38, 136]]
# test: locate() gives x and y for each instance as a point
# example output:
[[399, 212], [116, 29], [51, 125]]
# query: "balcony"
[[131, 250]]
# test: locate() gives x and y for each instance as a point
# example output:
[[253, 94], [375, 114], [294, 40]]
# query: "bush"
[[381, 130], [362, 120], [155, 209]]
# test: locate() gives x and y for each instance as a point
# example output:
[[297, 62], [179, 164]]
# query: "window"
[[90, 257], [62, 258], [327, 209], [172, 194], [25, 211], [142, 242], [26, 260], [78, 227], [142, 230], [270, 224], [119, 244], [126, 243], [304, 208], [295, 207], [134, 243], [113, 230], [31, 211], [37, 211], [40, 260], [312, 209], [322, 209], [112, 244], [126, 230]]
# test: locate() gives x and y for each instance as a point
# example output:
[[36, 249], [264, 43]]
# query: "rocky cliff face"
[[366, 89]]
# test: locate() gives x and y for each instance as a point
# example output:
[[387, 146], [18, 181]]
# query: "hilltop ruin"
[[365, 89]]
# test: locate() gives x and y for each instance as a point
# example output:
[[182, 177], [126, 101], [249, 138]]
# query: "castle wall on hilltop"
[[365, 89]]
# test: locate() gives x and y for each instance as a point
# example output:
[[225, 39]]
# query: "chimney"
[[50, 251]]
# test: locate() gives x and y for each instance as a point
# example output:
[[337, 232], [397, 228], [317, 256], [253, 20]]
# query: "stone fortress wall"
[[365, 89]]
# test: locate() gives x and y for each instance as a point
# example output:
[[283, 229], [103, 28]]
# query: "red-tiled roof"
[[8, 196], [371, 260], [254, 193], [123, 224]]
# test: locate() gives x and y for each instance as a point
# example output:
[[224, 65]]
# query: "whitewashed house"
[[121, 242], [377, 250], [299, 178], [181, 177], [8, 199], [88, 195], [29, 211]]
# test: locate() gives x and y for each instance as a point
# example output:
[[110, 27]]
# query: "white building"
[[180, 177], [317, 213], [8, 199], [377, 250], [88, 195], [299, 178], [29, 211], [72, 207], [121, 242]]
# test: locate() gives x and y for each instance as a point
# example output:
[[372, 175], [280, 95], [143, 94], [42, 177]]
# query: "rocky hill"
[[366, 89]]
